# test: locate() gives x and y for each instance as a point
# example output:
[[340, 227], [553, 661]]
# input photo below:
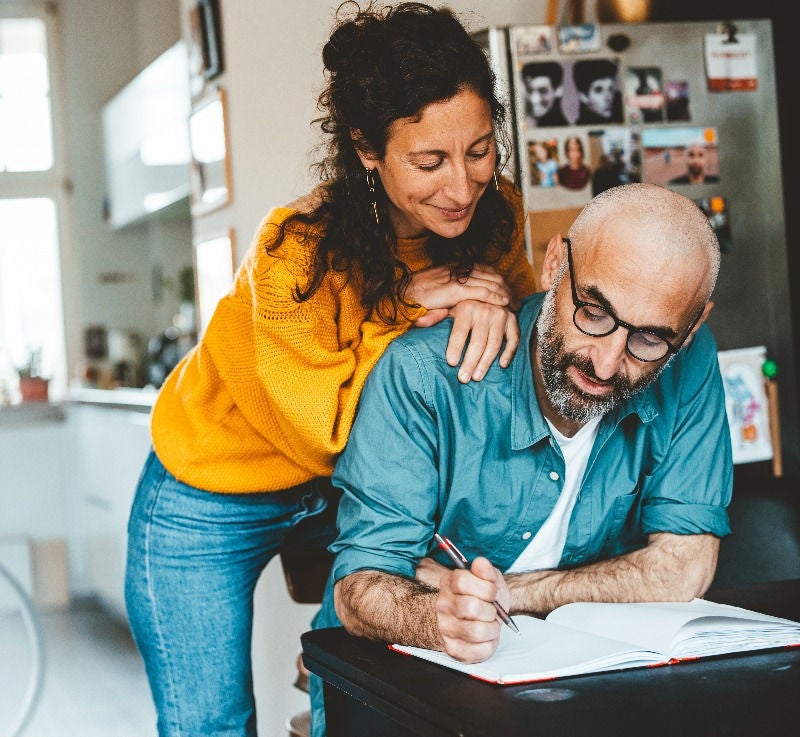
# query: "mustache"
[[585, 366]]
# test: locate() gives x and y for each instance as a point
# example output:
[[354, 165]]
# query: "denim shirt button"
[[526, 535], [553, 475]]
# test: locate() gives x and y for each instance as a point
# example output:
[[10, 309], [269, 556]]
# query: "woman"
[[409, 224], [574, 174]]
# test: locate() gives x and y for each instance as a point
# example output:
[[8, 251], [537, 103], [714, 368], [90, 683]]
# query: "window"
[[30, 284], [26, 141], [31, 311]]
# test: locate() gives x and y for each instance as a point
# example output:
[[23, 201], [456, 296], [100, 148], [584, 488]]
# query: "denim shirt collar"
[[528, 425]]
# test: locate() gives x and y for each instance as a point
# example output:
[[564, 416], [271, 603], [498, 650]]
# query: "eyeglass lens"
[[594, 320]]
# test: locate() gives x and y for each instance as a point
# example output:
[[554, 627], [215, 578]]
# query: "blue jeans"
[[194, 558]]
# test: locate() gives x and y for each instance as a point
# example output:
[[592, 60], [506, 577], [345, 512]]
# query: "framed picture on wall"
[[196, 54], [212, 37], [210, 163], [213, 266]]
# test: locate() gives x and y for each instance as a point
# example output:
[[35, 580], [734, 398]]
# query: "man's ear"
[[553, 258], [356, 137], [700, 320]]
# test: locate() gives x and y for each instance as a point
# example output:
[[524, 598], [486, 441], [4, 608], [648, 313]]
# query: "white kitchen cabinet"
[[146, 138], [113, 443]]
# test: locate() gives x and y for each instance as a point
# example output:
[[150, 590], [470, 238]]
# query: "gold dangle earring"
[[496, 185], [371, 186]]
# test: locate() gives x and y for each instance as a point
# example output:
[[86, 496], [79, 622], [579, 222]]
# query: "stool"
[[300, 725]]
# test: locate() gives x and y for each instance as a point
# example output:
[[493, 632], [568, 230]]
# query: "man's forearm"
[[381, 606], [670, 568]]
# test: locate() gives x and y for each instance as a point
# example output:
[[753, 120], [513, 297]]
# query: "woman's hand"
[[482, 329], [483, 320], [435, 288], [485, 330]]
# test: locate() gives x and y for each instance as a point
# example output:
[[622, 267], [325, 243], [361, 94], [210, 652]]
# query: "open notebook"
[[584, 637]]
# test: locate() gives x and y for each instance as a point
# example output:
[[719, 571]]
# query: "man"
[[598, 91], [696, 166], [596, 467], [543, 83]]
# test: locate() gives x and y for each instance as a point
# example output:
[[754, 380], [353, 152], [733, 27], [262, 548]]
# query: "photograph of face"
[[681, 156], [596, 83], [574, 173], [543, 163], [542, 87], [559, 93]]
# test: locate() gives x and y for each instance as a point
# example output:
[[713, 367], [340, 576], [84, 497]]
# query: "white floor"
[[94, 683], [94, 680]]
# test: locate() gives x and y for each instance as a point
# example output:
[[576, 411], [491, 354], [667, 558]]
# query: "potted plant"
[[32, 385]]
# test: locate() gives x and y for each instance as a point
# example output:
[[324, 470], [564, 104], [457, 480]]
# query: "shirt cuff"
[[686, 519]]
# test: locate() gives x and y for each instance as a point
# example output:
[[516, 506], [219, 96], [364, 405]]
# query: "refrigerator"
[[691, 106]]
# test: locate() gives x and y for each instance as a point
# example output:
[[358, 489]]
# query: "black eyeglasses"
[[597, 321]]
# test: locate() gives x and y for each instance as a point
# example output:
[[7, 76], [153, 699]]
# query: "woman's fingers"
[[436, 287], [480, 332]]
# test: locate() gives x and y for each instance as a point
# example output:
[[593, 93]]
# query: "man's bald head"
[[662, 230]]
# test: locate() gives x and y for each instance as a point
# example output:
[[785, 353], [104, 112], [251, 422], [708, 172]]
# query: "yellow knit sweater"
[[266, 399]]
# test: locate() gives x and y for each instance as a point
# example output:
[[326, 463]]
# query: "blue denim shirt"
[[477, 463]]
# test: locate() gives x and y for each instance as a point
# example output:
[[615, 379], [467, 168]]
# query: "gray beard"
[[570, 402]]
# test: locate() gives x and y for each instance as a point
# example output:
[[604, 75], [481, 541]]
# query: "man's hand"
[[457, 617], [465, 612]]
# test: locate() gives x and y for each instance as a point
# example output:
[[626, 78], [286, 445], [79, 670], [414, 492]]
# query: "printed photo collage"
[[588, 122]]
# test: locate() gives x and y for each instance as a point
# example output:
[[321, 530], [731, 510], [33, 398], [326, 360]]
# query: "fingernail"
[[463, 377]]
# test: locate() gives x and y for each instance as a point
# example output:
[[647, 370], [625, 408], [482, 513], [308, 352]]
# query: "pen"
[[461, 562]]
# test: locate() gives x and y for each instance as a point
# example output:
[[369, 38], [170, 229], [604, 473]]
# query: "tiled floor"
[[94, 684]]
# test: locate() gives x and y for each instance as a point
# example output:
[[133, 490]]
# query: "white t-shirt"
[[547, 546]]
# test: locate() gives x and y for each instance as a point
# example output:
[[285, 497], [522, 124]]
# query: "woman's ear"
[[356, 137], [553, 258]]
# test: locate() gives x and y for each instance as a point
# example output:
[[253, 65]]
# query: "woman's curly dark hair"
[[383, 64]]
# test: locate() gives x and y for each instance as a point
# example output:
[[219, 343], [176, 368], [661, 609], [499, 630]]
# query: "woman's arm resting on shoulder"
[[482, 308], [437, 288], [669, 568], [485, 330]]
